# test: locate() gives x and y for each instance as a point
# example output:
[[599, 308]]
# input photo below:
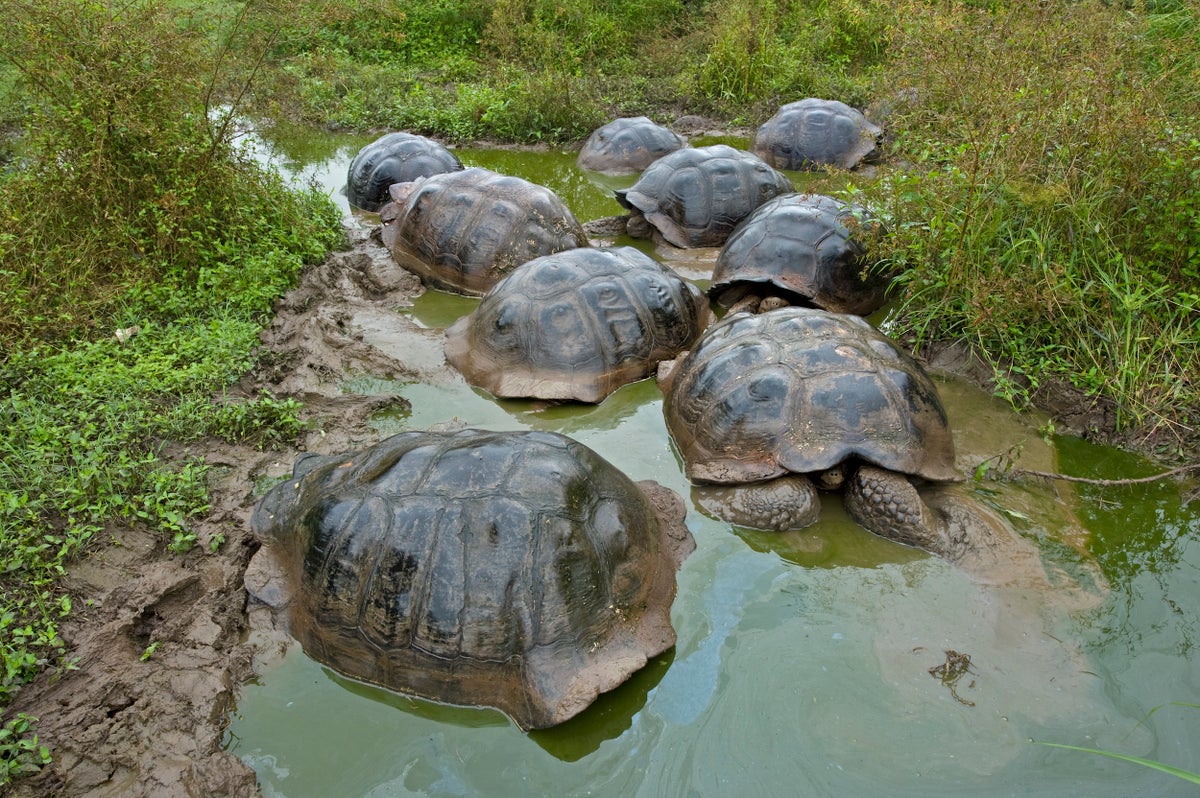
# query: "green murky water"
[[802, 663]]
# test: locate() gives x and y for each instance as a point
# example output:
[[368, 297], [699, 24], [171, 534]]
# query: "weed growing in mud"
[[20, 751]]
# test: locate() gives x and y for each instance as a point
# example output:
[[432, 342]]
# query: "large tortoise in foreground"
[[766, 405], [813, 133], [696, 196], [515, 570], [576, 325], [463, 231], [394, 158]]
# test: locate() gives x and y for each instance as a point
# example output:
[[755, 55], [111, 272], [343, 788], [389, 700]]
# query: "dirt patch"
[[162, 642]]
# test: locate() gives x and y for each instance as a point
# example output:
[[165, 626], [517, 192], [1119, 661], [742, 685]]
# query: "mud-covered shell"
[[799, 390], [814, 133], [696, 196], [627, 145], [806, 245], [394, 158], [515, 570], [576, 325], [463, 231]]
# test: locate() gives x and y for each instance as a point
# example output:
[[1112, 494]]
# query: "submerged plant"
[[1178, 773]]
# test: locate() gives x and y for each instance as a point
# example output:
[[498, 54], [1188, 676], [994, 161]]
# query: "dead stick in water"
[[1024, 472]]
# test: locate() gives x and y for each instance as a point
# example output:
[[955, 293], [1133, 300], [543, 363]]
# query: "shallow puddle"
[[803, 663]]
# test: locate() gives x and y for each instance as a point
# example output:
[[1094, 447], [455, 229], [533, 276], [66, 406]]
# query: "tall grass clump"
[[1050, 215], [140, 252], [747, 58]]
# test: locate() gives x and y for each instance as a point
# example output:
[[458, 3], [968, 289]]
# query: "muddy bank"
[[163, 642]]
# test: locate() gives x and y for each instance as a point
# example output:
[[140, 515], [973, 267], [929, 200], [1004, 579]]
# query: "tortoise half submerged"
[[515, 570], [696, 196], [463, 231], [627, 145], [394, 158], [576, 325]]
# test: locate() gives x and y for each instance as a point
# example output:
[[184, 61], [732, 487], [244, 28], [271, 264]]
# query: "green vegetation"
[[1047, 215], [1046, 212], [1051, 217], [140, 253]]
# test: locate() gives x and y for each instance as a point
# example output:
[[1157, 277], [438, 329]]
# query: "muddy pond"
[[821, 662]]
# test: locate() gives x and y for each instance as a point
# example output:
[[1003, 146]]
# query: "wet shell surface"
[[696, 196], [576, 325], [799, 391], [515, 570], [463, 231], [627, 145], [815, 133], [394, 158], [804, 247]]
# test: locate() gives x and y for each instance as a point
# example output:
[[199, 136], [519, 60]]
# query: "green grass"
[[1048, 215], [132, 211]]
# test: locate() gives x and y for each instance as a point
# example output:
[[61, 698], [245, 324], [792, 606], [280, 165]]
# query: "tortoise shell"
[[799, 390], [696, 196], [576, 325], [808, 247], [516, 570], [394, 158], [814, 133], [463, 231], [628, 145]]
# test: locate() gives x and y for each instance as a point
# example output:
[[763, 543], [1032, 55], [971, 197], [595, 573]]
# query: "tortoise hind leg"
[[887, 504]]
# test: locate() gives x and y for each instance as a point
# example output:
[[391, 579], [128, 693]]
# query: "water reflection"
[[607, 718]]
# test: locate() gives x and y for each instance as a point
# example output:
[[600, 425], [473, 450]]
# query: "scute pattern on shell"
[[517, 570], [576, 325], [394, 158], [696, 196], [813, 133], [463, 231], [803, 244], [799, 390], [627, 145]]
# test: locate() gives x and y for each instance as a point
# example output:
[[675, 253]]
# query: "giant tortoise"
[[766, 404], [515, 570], [576, 325], [463, 231], [696, 196], [802, 249], [394, 158], [814, 133], [627, 145]]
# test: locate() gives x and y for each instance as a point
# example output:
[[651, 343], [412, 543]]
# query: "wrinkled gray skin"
[[765, 406]]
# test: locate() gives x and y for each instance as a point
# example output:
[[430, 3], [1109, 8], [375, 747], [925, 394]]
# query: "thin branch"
[[1024, 472]]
